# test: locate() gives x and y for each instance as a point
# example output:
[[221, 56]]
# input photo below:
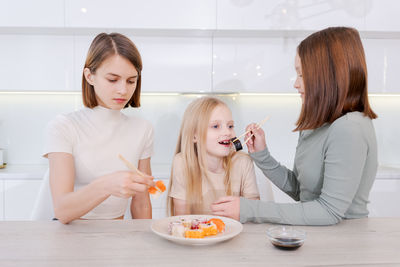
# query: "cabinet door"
[[383, 62], [159, 14], [36, 63], [385, 198], [27, 13], [1, 199], [262, 65], [19, 198], [289, 15], [170, 64], [382, 15]]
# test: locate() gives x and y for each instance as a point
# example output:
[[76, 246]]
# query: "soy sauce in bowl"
[[286, 238]]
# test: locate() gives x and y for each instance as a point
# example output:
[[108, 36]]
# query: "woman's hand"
[[257, 141], [227, 206], [125, 183]]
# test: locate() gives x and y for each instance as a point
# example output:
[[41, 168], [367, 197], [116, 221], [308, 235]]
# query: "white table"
[[373, 242]]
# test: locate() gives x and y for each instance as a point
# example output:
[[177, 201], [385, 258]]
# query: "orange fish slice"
[[158, 189], [219, 223]]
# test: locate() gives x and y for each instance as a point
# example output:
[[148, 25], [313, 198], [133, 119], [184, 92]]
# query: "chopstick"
[[258, 127], [131, 166], [134, 169]]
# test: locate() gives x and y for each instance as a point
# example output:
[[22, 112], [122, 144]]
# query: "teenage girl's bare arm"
[[141, 205], [70, 205]]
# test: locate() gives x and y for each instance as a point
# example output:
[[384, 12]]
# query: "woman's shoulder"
[[353, 124], [138, 122], [351, 120], [64, 119]]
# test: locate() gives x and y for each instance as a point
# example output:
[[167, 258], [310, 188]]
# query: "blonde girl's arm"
[[180, 207], [70, 205], [249, 185], [141, 204]]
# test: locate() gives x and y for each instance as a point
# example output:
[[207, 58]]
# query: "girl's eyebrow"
[[214, 121], [113, 74]]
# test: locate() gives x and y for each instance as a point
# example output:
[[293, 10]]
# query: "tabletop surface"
[[361, 242]]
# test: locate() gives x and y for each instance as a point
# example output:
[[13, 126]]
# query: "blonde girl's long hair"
[[195, 125]]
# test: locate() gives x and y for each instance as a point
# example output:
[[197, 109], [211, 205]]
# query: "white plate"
[[232, 229]]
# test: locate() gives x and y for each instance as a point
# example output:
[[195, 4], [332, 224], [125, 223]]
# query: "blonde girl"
[[205, 167]]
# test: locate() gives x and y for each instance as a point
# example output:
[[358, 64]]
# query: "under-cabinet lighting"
[[38, 93], [384, 95], [200, 93], [269, 94]]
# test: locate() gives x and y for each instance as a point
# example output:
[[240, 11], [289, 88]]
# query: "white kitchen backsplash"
[[23, 118]]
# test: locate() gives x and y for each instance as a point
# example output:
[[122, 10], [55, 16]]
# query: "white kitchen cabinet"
[[383, 62], [264, 65], [27, 13], [385, 198], [382, 15], [170, 64], [289, 15], [36, 62], [173, 14], [1, 199], [19, 198], [159, 213]]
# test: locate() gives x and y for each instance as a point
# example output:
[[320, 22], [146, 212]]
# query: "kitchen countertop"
[[160, 171], [36, 172], [361, 242]]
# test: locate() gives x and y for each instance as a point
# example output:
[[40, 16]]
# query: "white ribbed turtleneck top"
[[95, 137]]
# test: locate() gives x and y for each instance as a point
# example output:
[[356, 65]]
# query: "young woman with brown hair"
[[336, 156], [87, 179]]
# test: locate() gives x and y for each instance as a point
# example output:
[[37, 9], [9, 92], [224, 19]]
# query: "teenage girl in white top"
[[87, 179]]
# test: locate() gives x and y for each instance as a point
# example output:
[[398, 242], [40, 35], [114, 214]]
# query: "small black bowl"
[[286, 238]]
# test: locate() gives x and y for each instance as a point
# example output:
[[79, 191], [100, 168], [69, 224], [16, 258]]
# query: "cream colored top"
[[242, 176], [95, 137]]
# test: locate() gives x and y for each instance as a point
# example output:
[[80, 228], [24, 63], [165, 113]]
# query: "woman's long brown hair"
[[335, 77]]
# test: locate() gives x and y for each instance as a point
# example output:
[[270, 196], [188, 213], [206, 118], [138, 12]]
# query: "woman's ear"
[[195, 138], [88, 75]]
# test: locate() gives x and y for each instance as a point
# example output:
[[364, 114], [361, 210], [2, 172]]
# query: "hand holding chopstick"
[[261, 123], [156, 190], [258, 127], [131, 166]]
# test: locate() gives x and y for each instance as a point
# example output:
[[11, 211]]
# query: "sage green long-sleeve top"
[[334, 169]]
